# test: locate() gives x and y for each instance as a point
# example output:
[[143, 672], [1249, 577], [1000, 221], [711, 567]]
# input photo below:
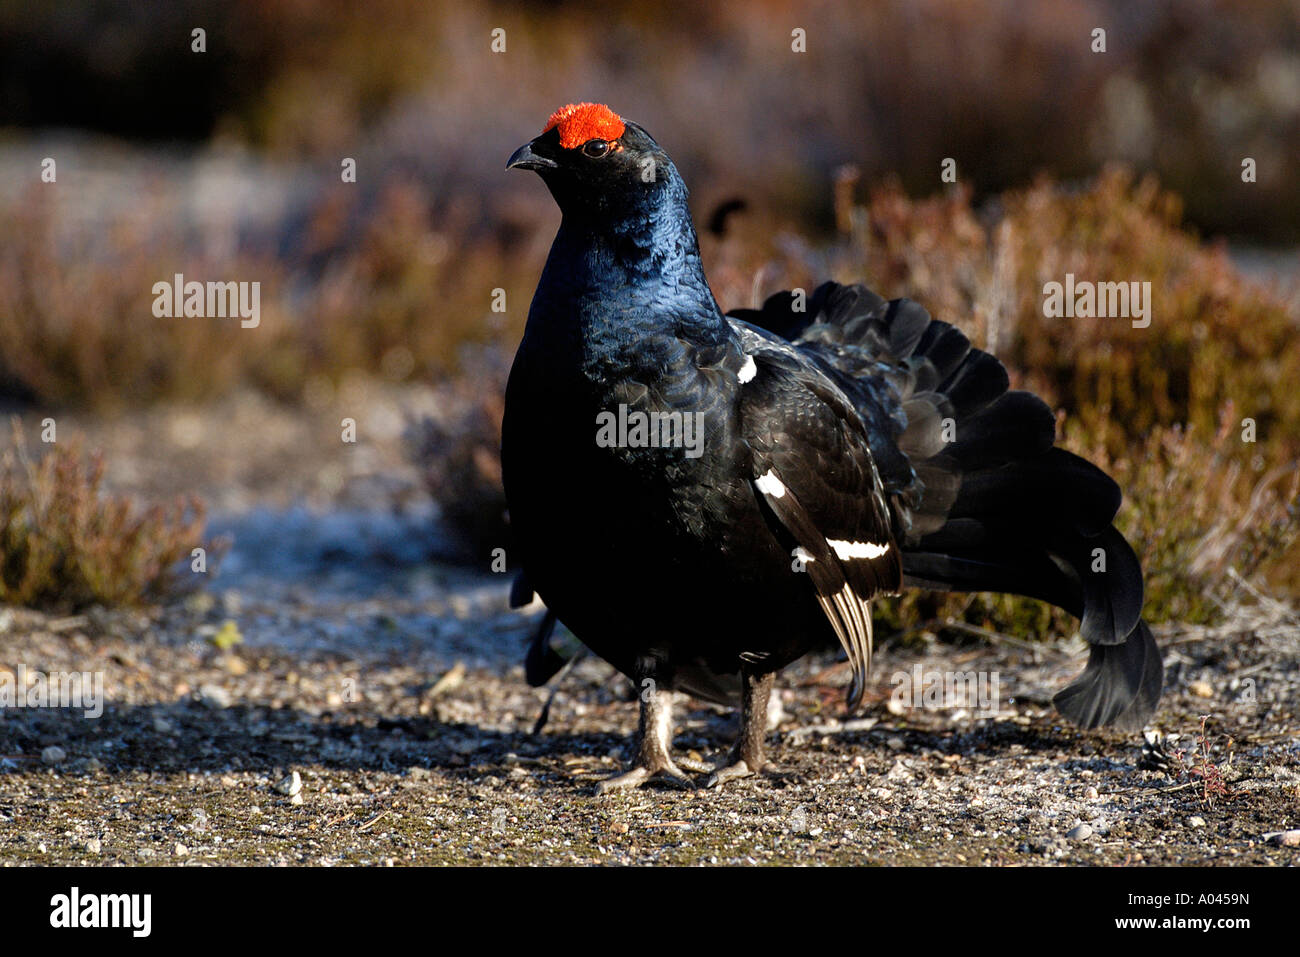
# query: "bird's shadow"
[[190, 736]]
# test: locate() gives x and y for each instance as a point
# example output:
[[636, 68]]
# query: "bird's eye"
[[595, 148]]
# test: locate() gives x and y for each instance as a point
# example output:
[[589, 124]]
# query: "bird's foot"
[[732, 771], [695, 766], [644, 772], [747, 756], [738, 768]]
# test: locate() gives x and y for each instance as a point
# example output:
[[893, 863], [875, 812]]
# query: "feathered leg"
[[747, 754], [654, 739]]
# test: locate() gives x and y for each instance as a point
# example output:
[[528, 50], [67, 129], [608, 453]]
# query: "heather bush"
[[65, 544]]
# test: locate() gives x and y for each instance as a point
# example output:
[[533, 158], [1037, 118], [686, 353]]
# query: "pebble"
[[1080, 832], [1196, 821], [1201, 689], [290, 784], [180, 850], [1091, 794], [296, 799], [54, 755], [232, 602], [1284, 838], [94, 846], [199, 603], [215, 696]]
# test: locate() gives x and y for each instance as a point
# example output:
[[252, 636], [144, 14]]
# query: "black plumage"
[[815, 454]]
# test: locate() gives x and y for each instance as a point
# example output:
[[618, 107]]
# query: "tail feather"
[[1120, 687], [983, 500]]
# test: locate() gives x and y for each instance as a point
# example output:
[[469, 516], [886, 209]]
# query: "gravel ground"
[[374, 711]]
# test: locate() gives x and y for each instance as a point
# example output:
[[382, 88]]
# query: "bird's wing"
[[815, 479]]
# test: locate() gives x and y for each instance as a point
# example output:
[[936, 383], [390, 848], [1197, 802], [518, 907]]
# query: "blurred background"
[[376, 295]]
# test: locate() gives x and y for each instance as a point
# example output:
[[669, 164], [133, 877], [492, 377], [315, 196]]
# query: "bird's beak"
[[525, 158]]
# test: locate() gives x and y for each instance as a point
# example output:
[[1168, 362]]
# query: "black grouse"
[[702, 498]]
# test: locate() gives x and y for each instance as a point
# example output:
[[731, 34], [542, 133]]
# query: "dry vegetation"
[[65, 545]]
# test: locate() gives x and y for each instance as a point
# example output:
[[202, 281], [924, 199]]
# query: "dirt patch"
[[404, 758]]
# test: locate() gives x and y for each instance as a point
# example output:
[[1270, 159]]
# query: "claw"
[[641, 774], [729, 772]]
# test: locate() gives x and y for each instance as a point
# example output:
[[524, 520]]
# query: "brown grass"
[[64, 544]]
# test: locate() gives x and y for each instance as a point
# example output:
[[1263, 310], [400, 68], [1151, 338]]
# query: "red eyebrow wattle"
[[580, 122]]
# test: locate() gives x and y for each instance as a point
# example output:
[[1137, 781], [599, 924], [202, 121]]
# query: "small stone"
[[180, 850], [296, 799], [290, 784], [1201, 689], [894, 744], [232, 602], [54, 755], [214, 696], [1196, 821], [1080, 832], [619, 827], [94, 846], [1091, 794], [1284, 838], [199, 603], [162, 725]]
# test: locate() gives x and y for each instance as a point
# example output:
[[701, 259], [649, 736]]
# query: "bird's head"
[[593, 160]]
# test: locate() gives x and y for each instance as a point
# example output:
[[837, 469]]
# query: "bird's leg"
[[746, 756], [654, 738]]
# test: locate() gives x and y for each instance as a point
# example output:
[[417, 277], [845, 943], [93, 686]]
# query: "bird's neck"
[[621, 274]]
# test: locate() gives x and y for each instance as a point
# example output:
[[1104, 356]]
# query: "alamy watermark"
[[974, 690], [26, 688], [634, 429], [1098, 300], [212, 300]]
